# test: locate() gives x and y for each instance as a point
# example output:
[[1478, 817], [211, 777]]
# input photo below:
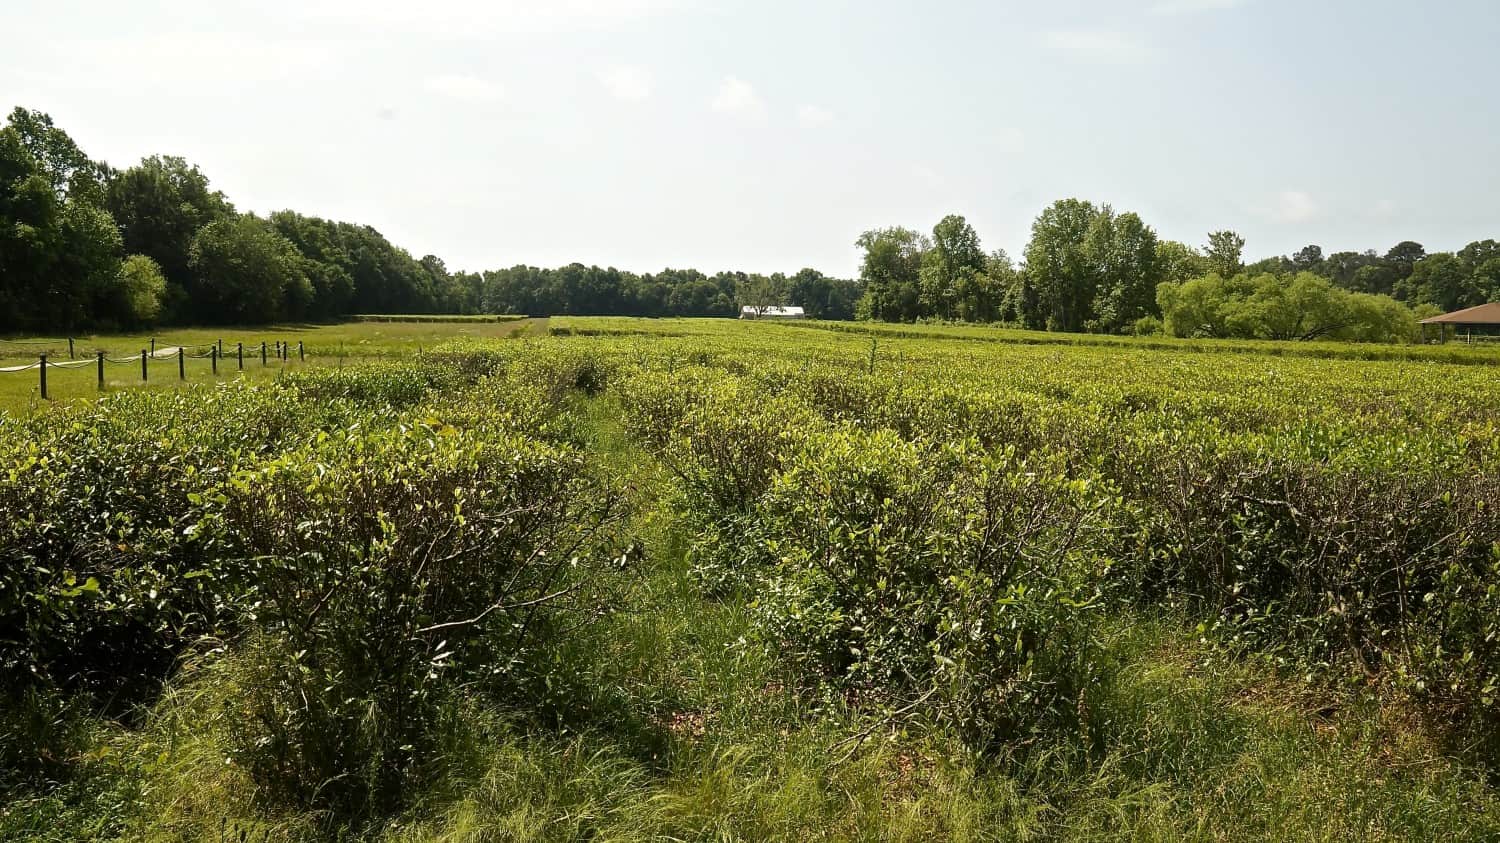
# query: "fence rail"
[[214, 352]]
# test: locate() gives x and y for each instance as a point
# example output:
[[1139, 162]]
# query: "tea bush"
[[901, 551], [1351, 536], [725, 441], [385, 567], [102, 579], [942, 573], [388, 384], [354, 544]]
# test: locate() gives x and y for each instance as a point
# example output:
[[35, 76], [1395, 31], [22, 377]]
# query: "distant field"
[[436, 317], [394, 336], [1451, 352], [323, 344]]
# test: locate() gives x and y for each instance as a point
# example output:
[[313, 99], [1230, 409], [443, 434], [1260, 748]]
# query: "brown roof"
[[1485, 314]]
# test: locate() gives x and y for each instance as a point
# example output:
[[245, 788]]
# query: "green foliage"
[[59, 251], [105, 580], [1299, 307], [891, 274], [931, 582], [246, 272], [353, 556], [159, 205], [140, 291], [723, 458], [384, 567], [1059, 266], [1225, 253], [1092, 269], [1147, 326], [936, 576], [951, 277]]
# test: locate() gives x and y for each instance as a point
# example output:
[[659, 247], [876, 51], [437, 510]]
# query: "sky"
[[763, 136]]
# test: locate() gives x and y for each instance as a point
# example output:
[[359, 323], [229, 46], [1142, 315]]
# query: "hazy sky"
[[764, 135]]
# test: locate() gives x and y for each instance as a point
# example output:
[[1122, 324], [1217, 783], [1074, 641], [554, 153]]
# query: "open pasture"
[[322, 345]]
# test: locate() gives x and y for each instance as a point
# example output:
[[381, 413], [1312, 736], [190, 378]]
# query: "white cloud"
[[480, 18], [1187, 7], [1292, 206], [626, 82], [466, 88], [1385, 209], [737, 98], [215, 58], [813, 116], [1103, 45], [927, 177], [1010, 140]]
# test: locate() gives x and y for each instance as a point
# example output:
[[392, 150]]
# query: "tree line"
[[1091, 268], [83, 245], [86, 246], [578, 290]]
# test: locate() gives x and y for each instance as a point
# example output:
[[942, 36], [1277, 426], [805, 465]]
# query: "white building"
[[771, 312]]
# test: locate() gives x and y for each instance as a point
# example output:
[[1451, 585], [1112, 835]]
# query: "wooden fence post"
[[181, 364], [101, 371], [301, 352], [213, 358], [263, 352], [153, 345], [42, 367], [241, 351], [144, 358], [70, 348]]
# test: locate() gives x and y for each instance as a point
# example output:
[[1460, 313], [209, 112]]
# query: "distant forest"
[[86, 246]]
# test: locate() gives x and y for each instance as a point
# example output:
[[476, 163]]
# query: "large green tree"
[[160, 204], [1123, 251], [1444, 280], [1301, 306], [891, 273], [949, 276], [1059, 264], [822, 296], [1226, 252], [1179, 261], [245, 272], [59, 251], [1091, 268], [71, 173]]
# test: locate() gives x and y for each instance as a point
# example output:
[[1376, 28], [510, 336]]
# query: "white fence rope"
[[163, 353]]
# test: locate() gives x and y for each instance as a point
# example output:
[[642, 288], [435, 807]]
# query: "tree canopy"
[[83, 245]]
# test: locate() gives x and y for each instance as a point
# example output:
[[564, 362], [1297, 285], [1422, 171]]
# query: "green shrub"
[[386, 384], [1147, 326], [1342, 550], [937, 578], [725, 441], [385, 568], [103, 581]]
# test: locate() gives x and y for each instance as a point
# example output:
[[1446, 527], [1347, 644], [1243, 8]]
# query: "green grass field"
[[848, 583], [323, 344]]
